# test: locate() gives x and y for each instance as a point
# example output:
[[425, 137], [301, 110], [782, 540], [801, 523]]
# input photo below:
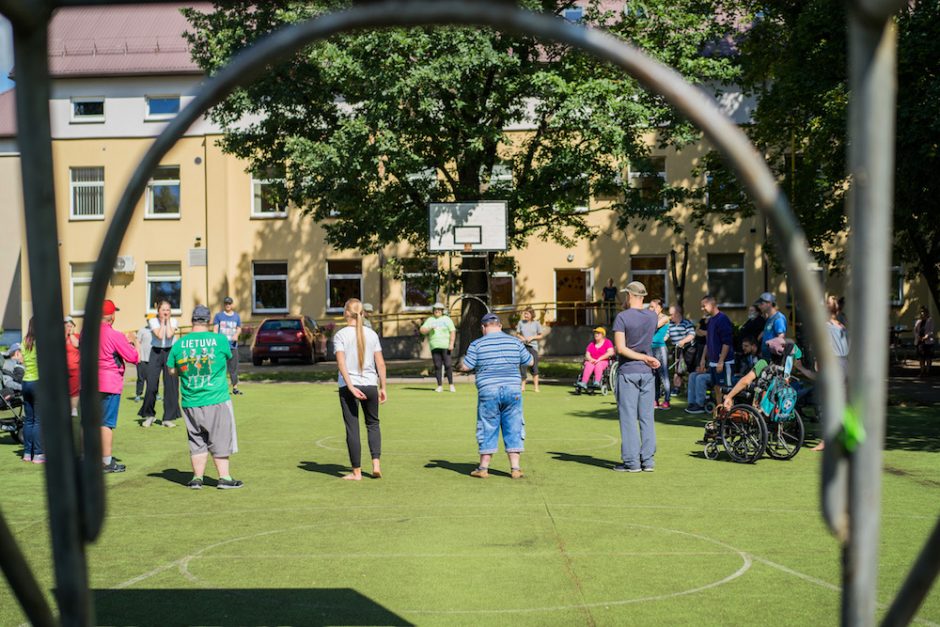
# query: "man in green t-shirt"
[[441, 334], [199, 360]]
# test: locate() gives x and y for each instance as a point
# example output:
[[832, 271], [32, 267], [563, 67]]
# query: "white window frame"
[[404, 291], [637, 275], [152, 117], [897, 292], [148, 214], [512, 279], [330, 308], [635, 176], [255, 211], [73, 281], [566, 14], [87, 119], [148, 306], [73, 185], [740, 271], [270, 277]]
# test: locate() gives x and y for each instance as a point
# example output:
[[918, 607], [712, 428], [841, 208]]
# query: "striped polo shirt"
[[496, 358], [679, 331]]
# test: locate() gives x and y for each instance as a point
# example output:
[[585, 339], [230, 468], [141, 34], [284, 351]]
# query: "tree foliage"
[[366, 129], [794, 58]]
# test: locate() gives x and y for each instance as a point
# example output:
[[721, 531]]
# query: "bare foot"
[[376, 469], [820, 446], [353, 477]]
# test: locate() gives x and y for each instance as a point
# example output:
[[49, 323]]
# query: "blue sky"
[[6, 54]]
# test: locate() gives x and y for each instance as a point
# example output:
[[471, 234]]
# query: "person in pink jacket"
[[113, 350]]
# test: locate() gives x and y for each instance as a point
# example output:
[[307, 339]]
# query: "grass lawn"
[[696, 542]]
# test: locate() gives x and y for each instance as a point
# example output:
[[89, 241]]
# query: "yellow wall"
[[11, 217]]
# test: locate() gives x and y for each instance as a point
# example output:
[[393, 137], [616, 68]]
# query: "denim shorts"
[[109, 409], [500, 408]]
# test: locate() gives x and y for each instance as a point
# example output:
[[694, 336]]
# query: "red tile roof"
[[8, 114], [121, 40]]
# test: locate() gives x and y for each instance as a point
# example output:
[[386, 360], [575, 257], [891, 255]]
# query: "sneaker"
[[237, 392], [195, 484], [480, 472], [453, 389], [695, 409], [649, 468], [27, 458], [39, 459], [229, 484], [516, 473], [439, 389], [657, 405], [159, 397], [146, 422], [114, 467], [169, 424], [137, 399], [664, 405], [625, 468]]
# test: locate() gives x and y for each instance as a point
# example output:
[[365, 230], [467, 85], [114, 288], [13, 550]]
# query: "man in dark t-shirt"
[[633, 339]]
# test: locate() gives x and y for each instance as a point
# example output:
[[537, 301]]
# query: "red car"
[[290, 337]]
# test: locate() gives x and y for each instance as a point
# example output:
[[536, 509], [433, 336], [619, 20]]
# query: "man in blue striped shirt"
[[496, 358]]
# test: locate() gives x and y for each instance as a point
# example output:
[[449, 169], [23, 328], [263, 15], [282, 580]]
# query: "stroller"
[[11, 410]]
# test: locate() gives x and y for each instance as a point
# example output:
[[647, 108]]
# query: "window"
[[651, 272], [79, 281], [264, 199], [897, 286], [163, 193], [726, 278], [87, 110], [343, 281], [162, 107], [649, 178], [269, 286], [574, 14], [501, 175], [86, 193], [419, 283], [164, 282]]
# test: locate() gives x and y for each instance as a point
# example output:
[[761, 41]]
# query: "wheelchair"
[[607, 384], [11, 404], [767, 422]]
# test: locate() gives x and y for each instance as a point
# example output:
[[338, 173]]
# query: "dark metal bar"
[[917, 584], [872, 83], [21, 579], [35, 143]]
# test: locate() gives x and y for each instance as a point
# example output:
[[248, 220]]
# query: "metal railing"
[[851, 466]]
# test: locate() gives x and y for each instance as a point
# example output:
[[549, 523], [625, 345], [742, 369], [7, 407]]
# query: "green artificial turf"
[[695, 542]]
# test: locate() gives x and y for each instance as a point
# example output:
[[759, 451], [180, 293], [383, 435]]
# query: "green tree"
[[367, 129], [794, 58]]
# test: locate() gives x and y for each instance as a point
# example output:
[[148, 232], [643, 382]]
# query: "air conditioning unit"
[[124, 264]]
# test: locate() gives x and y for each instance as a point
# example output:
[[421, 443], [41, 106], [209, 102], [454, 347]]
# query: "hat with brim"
[[438, 306], [766, 297], [201, 313], [108, 308], [15, 346], [601, 330], [636, 288], [489, 319]]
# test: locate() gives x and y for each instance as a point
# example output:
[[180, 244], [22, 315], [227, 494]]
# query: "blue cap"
[[489, 318]]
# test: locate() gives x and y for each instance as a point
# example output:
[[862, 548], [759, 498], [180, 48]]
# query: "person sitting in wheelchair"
[[13, 369], [597, 357], [785, 357]]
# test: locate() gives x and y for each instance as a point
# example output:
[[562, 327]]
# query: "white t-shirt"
[[345, 342], [166, 342]]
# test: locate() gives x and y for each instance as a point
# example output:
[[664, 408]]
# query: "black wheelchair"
[[11, 414]]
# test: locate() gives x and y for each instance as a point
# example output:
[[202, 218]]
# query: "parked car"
[[288, 337]]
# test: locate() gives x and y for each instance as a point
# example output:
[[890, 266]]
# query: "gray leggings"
[[441, 357], [370, 409]]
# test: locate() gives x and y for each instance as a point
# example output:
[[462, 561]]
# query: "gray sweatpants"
[[635, 397]]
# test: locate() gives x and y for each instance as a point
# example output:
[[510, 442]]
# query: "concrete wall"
[[11, 218]]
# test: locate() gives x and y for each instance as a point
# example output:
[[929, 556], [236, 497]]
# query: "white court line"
[[500, 555], [824, 584], [610, 441]]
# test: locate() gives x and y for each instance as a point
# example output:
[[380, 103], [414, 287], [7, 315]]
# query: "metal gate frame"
[[854, 438]]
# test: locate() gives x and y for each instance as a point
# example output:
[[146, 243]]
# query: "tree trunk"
[[678, 279], [475, 280], [929, 263]]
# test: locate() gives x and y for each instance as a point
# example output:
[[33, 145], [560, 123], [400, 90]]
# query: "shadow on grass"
[[460, 468], [333, 470], [428, 388], [166, 608], [173, 475], [587, 460]]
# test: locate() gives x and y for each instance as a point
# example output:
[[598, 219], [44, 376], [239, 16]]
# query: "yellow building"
[[205, 230]]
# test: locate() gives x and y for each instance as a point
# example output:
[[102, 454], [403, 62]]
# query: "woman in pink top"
[[596, 358]]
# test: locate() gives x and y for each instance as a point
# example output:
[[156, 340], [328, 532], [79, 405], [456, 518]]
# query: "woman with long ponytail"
[[361, 383], [32, 439]]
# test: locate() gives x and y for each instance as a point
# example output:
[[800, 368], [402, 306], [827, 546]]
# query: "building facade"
[[205, 229]]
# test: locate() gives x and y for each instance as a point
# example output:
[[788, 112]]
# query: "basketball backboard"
[[467, 226]]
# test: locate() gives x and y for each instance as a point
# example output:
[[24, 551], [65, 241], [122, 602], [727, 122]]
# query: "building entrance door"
[[572, 292]]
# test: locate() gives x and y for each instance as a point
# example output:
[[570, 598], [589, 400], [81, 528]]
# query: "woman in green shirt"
[[32, 438], [441, 334]]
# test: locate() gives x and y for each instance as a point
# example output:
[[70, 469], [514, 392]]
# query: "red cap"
[[108, 308]]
